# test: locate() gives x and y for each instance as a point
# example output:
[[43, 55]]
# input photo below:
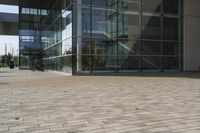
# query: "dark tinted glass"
[[128, 63], [171, 6], [170, 48], [171, 28], [151, 27], [151, 48], [128, 25], [129, 47], [171, 63], [80, 2], [151, 63], [104, 62], [151, 5]]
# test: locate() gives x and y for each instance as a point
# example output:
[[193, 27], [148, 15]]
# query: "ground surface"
[[49, 102]]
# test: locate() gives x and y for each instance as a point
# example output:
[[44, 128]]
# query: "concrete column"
[[191, 35]]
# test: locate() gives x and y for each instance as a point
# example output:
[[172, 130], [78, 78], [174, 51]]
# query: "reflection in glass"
[[128, 25], [151, 63], [171, 63], [171, 28], [170, 48], [151, 27], [129, 5], [129, 63], [151, 6], [151, 48], [171, 6], [101, 35]]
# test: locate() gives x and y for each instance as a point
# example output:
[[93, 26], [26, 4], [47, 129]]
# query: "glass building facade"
[[92, 36]]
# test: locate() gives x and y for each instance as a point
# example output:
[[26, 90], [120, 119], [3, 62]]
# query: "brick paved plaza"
[[42, 102]]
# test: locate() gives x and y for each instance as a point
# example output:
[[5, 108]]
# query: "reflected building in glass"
[[98, 36]]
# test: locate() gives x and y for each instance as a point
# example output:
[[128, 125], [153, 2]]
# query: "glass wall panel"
[[129, 47], [171, 6], [102, 35], [129, 25], [104, 23], [151, 27], [151, 48], [57, 39], [129, 5], [151, 6], [81, 21], [171, 63], [151, 63], [104, 63], [29, 34], [171, 28], [82, 2], [129, 63], [171, 48], [103, 46]]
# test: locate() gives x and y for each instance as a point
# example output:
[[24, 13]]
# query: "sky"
[[11, 41], [9, 9], [12, 44]]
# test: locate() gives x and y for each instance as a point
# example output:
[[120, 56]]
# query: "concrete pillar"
[[191, 35]]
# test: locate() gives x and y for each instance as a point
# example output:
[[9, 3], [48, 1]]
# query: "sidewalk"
[[43, 102]]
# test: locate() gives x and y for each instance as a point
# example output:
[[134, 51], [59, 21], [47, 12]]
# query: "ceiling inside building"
[[8, 21], [9, 2]]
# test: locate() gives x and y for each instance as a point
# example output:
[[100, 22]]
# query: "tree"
[[6, 59]]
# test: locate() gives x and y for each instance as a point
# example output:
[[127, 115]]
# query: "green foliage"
[[2, 65], [5, 60]]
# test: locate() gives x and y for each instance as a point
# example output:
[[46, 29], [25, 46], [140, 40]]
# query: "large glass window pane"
[[171, 28], [151, 5], [151, 27], [103, 46], [151, 63], [171, 63], [151, 48], [128, 63], [170, 48], [104, 3], [171, 6], [129, 5], [86, 46], [81, 21], [103, 23], [67, 46], [128, 47], [83, 48], [129, 25], [24, 61], [104, 63], [99, 22], [81, 2], [67, 24], [65, 64], [86, 62]]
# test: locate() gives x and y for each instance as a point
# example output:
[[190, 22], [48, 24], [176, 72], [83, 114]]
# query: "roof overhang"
[[9, 2]]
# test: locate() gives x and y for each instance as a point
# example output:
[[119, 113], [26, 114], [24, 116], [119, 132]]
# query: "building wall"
[[192, 35], [127, 36], [57, 34], [92, 36]]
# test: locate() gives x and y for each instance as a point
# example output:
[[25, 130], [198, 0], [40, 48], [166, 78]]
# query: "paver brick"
[[46, 102]]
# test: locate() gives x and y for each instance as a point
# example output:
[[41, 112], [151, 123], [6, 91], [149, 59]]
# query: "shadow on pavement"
[[195, 75]]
